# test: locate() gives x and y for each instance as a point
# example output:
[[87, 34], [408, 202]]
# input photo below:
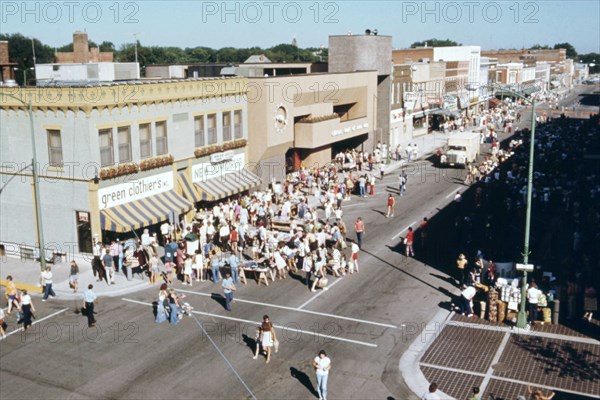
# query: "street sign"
[[525, 267]]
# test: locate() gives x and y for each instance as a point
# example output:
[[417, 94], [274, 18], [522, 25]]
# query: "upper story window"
[[124, 135], [238, 129], [106, 147], [199, 131], [145, 141], [55, 148], [161, 138], [226, 126], [211, 129]]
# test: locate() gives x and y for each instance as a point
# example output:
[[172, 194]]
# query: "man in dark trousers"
[[89, 299]]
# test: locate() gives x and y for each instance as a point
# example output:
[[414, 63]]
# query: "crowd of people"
[[565, 212]]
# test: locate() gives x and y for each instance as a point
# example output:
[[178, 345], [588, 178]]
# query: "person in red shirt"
[[359, 227], [233, 240], [410, 237], [391, 202]]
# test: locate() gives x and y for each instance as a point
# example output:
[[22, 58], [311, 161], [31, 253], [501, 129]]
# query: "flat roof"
[[312, 74], [142, 81], [361, 34]]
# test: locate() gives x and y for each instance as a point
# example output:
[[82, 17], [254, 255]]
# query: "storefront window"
[[419, 123]]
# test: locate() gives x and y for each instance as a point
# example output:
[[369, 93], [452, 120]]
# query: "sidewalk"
[[427, 145], [26, 273], [459, 353]]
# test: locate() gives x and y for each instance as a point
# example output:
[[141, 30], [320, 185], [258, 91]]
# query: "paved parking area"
[[503, 362]]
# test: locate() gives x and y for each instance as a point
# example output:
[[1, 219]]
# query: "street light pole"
[[36, 189], [522, 317]]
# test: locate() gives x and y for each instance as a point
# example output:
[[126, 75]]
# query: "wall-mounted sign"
[[135, 190], [205, 171], [83, 216], [348, 129], [220, 157]]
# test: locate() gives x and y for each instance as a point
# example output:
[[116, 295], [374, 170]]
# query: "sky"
[[216, 24]]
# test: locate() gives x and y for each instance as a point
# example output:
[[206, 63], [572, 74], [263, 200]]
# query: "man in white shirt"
[[146, 240], [465, 300], [322, 365], [533, 294], [47, 283]]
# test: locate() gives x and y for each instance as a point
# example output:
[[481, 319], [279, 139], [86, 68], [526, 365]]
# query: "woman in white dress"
[[268, 337], [279, 263], [198, 265]]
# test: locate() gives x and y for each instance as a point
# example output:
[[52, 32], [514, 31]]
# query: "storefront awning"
[[530, 90], [187, 188], [148, 211], [227, 185]]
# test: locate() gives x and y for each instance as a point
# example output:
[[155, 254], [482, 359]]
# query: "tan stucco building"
[[304, 119]]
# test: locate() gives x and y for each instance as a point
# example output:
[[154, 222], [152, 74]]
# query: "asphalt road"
[[364, 322]]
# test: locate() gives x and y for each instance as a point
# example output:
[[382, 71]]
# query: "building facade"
[[115, 159], [350, 53], [303, 120]]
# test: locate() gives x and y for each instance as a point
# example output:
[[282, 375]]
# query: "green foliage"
[[539, 47], [591, 58], [571, 52], [20, 52], [435, 43]]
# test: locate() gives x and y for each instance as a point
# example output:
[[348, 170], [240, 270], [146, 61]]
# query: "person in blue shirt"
[[228, 288], [233, 264], [89, 299], [214, 262]]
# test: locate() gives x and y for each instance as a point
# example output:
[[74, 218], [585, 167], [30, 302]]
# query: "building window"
[[226, 126], [237, 124], [106, 147], [124, 144], [161, 138], [199, 130], [55, 148], [211, 130], [145, 141]]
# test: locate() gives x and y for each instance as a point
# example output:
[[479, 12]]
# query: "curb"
[[409, 362]]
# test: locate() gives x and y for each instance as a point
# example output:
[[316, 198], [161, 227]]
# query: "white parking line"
[[404, 230], [37, 321], [237, 299], [298, 331], [317, 295]]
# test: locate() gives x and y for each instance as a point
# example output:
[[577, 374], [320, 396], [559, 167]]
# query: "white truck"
[[462, 148]]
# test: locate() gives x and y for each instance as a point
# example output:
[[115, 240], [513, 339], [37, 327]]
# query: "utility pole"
[[33, 50]]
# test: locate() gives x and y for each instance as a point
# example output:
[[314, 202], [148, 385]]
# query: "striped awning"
[[187, 188], [227, 185], [144, 212]]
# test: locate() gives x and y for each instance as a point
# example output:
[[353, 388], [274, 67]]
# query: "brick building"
[[6, 67], [82, 53]]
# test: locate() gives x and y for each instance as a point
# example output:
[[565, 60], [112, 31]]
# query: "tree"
[[539, 47], [435, 43], [107, 46], [19, 49], [591, 58], [571, 52]]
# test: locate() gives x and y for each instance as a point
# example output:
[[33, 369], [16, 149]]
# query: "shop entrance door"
[[84, 231]]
